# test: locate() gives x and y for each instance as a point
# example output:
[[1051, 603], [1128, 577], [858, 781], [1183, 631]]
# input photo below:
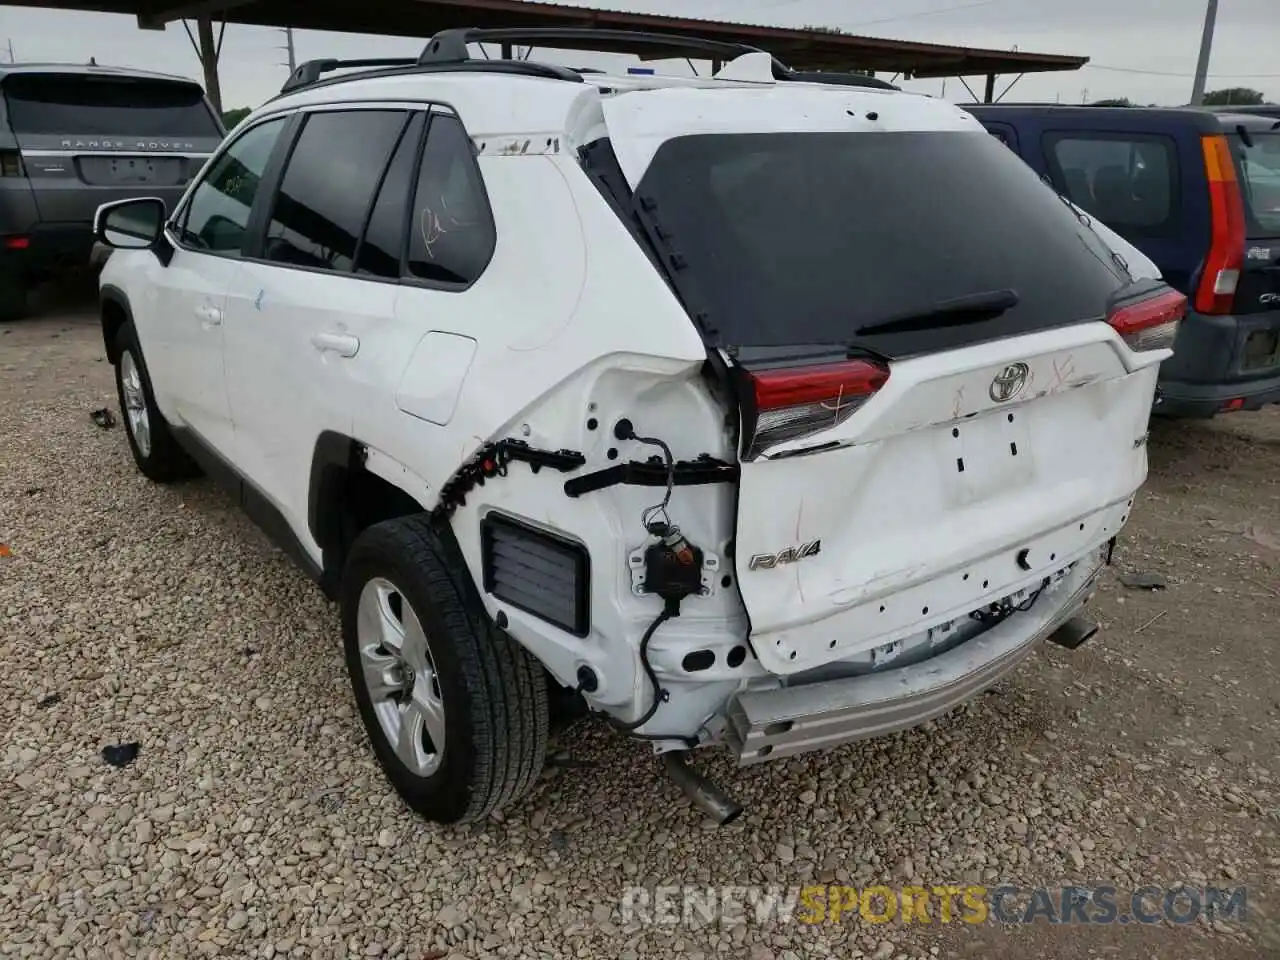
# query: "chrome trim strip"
[[117, 153]]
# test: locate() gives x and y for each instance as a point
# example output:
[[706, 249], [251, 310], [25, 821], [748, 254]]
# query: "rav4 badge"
[[767, 561]]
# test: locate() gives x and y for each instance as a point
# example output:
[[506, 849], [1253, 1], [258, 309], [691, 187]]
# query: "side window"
[[382, 249], [451, 233], [1127, 182], [328, 184], [218, 211]]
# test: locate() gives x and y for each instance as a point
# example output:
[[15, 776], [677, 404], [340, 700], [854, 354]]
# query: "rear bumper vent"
[[538, 572]]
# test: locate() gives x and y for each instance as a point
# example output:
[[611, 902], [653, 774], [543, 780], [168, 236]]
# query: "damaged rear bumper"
[[771, 724]]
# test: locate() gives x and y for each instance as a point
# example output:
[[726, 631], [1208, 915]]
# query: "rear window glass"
[[1126, 182], [106, 106], [452, 236], [1259, 173], [788, 239]]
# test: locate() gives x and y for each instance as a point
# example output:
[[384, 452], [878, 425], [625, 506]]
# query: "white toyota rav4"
[[754, 411]]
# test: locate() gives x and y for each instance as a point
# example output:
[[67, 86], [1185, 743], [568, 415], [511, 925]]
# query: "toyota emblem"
[[1009, 382]]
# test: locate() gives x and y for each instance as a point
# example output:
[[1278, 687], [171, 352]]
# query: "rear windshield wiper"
[[974, 308]]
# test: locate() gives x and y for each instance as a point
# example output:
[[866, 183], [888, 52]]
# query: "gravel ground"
[[254, 823]]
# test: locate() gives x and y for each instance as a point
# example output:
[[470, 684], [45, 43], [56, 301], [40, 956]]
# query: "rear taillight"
[[1150, 324], [1217, 290], [11, 164], [794, 402]]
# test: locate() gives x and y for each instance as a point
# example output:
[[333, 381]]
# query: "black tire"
[[493, 691], [15, 298], [164, 460]]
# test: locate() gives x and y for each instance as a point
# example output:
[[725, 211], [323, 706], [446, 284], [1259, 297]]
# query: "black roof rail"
[[447, 51], [450, 46], [838, 79], [310, 71]]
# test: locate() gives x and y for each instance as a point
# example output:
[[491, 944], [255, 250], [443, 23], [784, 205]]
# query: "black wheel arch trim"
[[110, 293], [334, 457], [255, 503]]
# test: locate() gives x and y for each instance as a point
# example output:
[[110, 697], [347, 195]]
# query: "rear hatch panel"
[[854, 223], [939, 499], [89, 139]]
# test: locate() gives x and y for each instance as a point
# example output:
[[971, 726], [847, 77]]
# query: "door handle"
[[209, 315], [343, 344]]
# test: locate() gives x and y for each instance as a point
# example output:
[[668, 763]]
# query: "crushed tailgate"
[[934, 499]]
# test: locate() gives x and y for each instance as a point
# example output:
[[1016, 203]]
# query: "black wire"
[[667, 613], [1007, 610], [659, 509]]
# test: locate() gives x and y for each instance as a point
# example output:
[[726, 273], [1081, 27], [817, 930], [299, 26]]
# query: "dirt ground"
[[1150, 755]]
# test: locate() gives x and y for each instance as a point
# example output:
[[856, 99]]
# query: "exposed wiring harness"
[[669, 611], [657, 523], [655, 519], [999, 612]]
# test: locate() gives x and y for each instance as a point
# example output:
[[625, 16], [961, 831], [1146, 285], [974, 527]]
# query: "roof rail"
[[447, 51], [450, 46], [839, 79], [310, 71]]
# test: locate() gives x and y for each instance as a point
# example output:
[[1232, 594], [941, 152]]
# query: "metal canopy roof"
[[798, 48]]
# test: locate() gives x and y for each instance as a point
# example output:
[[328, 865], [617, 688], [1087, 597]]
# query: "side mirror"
[[130, 224]]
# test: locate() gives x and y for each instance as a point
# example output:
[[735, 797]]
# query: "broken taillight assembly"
[[784, 404], [1151, 323]]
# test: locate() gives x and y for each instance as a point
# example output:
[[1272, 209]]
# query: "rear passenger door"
[[309, 304], [1131, 182]]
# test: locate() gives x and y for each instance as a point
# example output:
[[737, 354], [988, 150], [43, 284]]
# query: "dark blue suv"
[[1199, 193]]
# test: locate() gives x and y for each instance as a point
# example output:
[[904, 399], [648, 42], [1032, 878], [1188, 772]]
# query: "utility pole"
[[12, 58], [209, 51], [1206, 47], [288, 48], [209, 60]]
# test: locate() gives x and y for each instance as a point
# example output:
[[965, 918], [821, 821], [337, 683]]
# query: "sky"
[[1142, 49]]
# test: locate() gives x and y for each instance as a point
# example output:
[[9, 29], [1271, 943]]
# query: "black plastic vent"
[[538, 572]]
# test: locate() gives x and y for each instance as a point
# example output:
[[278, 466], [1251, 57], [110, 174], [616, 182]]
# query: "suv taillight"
[[793, 402], [1217, 290], [11, 164], [1150, 324]]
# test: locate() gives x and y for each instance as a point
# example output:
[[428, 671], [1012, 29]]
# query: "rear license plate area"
[[988, 456], [132, 171]]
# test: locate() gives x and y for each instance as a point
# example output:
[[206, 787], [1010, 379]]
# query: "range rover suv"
[[75, 137]]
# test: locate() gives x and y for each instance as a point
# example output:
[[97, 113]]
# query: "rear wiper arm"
[[974, 308]]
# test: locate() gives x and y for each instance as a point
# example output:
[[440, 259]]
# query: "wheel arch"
[[114, 312], [351, 488]]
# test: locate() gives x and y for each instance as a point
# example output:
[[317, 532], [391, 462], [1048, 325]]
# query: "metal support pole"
[[991, 89], [1206, 48], [506, 51], [209, 51]]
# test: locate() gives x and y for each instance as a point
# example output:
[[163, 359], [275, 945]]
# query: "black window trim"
[[260, 215], [173, 226], [415, 165], [1171, 226]]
